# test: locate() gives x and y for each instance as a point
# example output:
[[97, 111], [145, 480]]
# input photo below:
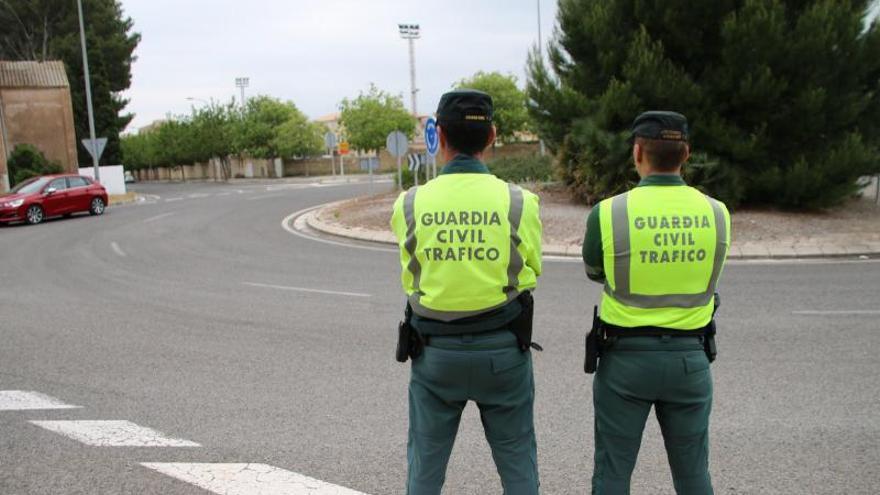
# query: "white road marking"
[[224, 194], [247, 479], [842, 312], [169, 200], [198, 195], [23, 400], [304, 289], [118, 250], [113, 434], [265, 197], [157, 217]]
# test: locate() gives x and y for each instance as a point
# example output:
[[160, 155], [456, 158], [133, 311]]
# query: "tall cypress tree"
[[782, 95], [49, 30]]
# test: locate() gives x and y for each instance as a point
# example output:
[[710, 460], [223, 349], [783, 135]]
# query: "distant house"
[[35, 108]]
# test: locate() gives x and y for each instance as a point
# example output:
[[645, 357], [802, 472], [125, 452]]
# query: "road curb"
[[738, 251]]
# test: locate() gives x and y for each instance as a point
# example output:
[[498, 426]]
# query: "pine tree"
[[782, 95]]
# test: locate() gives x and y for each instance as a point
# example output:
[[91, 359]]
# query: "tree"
[[299, 137], [511, 115], [49, 30], [368, 119], [214, 131], [257, 127], [782, 95]]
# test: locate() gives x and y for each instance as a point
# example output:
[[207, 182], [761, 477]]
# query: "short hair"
[[663, 155], [467, 137]]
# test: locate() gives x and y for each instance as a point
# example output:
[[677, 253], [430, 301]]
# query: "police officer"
[[470, 251], [659, 250]]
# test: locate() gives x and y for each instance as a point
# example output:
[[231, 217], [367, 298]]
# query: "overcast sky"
[[317, 52]]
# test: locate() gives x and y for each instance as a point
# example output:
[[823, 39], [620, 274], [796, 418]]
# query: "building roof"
[[49, 74]]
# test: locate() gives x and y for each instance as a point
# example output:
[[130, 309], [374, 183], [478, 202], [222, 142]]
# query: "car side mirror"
[[50, 191]]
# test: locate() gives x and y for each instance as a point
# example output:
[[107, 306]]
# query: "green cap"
[[661, 125], [465, 105]]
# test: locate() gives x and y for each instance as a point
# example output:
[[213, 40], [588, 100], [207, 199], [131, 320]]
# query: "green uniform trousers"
[[670, 373], [490, 370]]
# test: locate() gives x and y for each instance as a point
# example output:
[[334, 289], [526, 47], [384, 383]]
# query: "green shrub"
[[27, 161], [525, 168]]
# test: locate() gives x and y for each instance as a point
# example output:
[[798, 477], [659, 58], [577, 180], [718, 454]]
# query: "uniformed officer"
[[659, 250], [470, 250]]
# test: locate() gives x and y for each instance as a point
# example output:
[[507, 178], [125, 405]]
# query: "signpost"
[[330, 144], [95, 147], [343, 150], [432, 143], [397, 144]]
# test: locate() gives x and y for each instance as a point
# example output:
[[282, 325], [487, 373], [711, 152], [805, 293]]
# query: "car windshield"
[[30, 186]]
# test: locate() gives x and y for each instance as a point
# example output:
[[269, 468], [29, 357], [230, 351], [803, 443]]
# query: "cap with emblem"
[[465, 105], [666, 126]]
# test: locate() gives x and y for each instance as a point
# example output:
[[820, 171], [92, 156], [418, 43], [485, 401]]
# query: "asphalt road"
[[199, 316]]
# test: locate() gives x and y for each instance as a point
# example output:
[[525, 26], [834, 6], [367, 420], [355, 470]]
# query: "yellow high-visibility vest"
[[664, 248], [469, 243]]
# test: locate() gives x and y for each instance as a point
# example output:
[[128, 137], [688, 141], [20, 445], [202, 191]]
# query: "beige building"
[[35, 108]]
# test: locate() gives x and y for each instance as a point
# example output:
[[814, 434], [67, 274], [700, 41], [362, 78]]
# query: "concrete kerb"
[[743, 251]]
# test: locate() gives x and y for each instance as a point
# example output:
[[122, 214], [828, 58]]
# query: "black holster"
[[593, 344], [409, 342], [521, 326]]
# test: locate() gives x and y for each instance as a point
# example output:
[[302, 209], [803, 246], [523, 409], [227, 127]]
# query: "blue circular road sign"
[[432, 140]]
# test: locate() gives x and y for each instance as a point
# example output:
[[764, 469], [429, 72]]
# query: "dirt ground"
[[565, 221]]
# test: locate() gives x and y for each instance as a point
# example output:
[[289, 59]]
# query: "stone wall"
[[42, 117]]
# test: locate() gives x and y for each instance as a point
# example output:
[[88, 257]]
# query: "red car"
[[38, 198]]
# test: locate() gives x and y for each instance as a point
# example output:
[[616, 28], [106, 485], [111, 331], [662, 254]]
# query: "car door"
[[78, 193], [56, 203]]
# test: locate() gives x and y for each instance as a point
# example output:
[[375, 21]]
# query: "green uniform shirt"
[[490, 320], [592, 250]]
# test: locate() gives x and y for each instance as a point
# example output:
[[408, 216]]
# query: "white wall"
[[112, 177]]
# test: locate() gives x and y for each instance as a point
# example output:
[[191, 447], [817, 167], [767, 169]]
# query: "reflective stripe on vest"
[[622, 255], [514, 267]]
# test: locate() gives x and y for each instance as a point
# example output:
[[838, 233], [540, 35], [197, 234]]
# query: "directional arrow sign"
[[96, 147]]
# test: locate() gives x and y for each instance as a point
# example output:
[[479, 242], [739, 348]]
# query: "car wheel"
[[34, 214], [97, 206]]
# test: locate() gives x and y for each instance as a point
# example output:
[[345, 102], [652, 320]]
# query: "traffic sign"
[[330, 141], [96, 147], [432, 139], [414, 161], [397, 144], [343, 148]]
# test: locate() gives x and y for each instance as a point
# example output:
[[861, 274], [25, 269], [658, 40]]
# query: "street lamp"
[[410, 32], [241, 83]]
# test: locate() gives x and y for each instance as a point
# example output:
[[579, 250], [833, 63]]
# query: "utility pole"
[[410, 32], [82, 37], [541, 54], [241, 83], [4, 140]]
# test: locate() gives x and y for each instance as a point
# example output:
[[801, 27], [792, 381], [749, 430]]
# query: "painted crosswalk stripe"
[[23, 400], [113, 434], [247, 479]]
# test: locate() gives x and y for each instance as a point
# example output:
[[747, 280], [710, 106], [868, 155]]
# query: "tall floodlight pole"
[[410, 32], [241, 83], [82, 37], [541, 54]]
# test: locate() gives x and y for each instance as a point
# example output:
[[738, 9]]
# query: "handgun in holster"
[[409, 342], [709, 336], [522, 325], [593, 344]]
